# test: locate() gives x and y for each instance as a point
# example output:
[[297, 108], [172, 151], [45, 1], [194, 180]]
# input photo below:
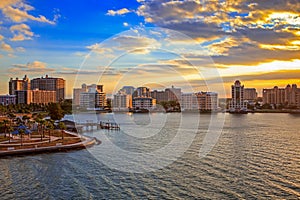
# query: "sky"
[[193, 44]]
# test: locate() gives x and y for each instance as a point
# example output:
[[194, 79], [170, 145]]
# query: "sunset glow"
[[256, 42]]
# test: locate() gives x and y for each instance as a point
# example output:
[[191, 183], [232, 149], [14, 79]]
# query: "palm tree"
[[40, 128], [62, 127], [25, 119], [9, 129], [5, 123], [50, 126], [11, 116], [43, 123], [2, 127], [21, 132]]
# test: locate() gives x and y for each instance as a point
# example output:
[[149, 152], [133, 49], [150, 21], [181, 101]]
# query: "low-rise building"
[[147, 103], [8, 99]]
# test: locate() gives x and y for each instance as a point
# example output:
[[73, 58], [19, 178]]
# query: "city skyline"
[[117, 90], [257, 43]]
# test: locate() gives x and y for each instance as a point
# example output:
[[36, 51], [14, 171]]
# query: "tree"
[[55, 111], [21, 132], [43, 124], [62, 127], [25, 119], [50, 126], [66, 106], [9, 129], [11, 116], [5, 123]]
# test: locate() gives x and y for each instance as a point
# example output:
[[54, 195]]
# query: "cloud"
[[17, 11], [135, 44], [20, 49], [98, 48], [21, 32], [118, 12], [31, 67], [263, 30], [252, 54], [1, 37], [267, 76], [125, 24], [127, 43], [6, 47]]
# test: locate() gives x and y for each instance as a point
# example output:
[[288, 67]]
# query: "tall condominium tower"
[[18, 84], [50, 84], [237, 96]]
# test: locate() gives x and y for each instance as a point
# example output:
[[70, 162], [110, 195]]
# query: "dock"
[[90, 125]]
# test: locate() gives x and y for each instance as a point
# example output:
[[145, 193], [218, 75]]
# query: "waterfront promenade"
[[71, 141]]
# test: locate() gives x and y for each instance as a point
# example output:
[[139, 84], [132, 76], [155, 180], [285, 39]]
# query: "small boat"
[[139, 110], [109, 125], [238, 111]]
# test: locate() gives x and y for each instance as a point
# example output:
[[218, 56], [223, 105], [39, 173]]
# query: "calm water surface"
[[256, 157]]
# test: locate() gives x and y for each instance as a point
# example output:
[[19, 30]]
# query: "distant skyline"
[[253, 41]]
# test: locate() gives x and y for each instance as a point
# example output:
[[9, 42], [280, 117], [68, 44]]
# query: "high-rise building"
[[250, 94], [93, 93], [170, 94], [43, 96], [288, 96], [160, 96], [141, 92], [76, 94], [128, 90], [23, 96], [201, 101], [291, 94], [189, 102], [122, 102], [18, 84], [174, 94], [94, 98], [274, 96], [50, 84], [207, 101], [35, 96], [237, 97]]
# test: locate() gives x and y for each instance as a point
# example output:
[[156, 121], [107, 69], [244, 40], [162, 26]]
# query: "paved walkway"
[[85, 142]]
